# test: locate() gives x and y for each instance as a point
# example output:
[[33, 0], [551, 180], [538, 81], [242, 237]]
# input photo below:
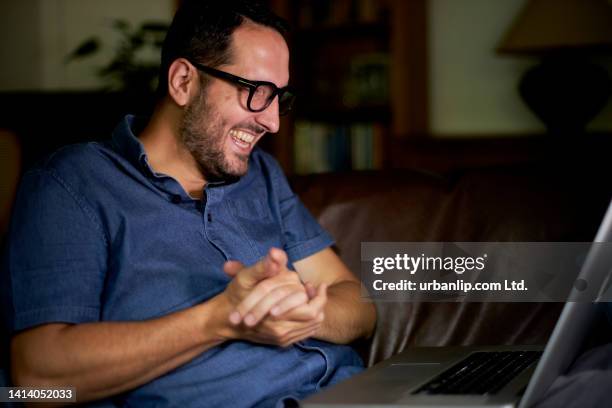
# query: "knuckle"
[[289, 275], [266, 286], [256, 313], [240, 283], [277, 332], [283, 291], [311, 314], [242, 309], [303, 297]]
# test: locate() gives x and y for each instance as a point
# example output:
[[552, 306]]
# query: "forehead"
[[260, 53]]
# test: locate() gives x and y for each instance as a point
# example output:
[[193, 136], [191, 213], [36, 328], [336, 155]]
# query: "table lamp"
[[566, 89]]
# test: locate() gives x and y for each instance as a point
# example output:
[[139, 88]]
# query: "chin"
[[239, 171], [237, 165], [231, 171]]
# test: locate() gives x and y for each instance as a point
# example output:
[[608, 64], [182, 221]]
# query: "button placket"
[[210, 232]]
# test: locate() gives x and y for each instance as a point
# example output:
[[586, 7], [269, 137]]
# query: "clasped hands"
[[270, 304]]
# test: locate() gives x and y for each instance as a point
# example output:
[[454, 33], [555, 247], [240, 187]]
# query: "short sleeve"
[[56, 255], [303, 235]]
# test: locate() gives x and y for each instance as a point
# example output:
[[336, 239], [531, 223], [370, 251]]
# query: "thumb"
[[311, 291], [322, 290], [278, 256], [321, 293], [274, 261], [263, 269], [232, 268]]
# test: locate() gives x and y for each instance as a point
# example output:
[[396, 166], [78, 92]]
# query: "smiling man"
[[173, 265]]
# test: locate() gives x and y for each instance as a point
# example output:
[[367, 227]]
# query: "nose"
[[269, 117]]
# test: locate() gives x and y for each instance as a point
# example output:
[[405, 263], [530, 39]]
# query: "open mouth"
[[242, 139]]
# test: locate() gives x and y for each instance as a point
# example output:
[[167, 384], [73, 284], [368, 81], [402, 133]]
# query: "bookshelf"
[[360, 68]]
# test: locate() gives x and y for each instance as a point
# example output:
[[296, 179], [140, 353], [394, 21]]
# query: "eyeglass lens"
[[263, 96]]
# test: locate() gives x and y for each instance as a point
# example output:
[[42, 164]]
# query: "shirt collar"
[[126, 142]]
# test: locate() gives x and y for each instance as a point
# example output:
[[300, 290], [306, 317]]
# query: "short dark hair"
[[201, 31]]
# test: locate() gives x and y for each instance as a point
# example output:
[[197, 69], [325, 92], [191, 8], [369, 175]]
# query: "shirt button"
[[209, 217], [176, 199]]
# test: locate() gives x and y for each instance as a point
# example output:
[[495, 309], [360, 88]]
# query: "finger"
[[311, 310], [262, 338], [319, 301], [232, 267], [270, 330], [300, 335], [279, 256], [235, 318], [249, 277], [245, 278], [293, 300], [310, 290], [265, 332], [303, 314], [322, 289], [321, 298], [271, 334], [294, 340], [270, 300], [272, 267], [259, 292]]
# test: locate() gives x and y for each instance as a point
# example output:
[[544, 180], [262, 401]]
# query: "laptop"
[[496, 376]]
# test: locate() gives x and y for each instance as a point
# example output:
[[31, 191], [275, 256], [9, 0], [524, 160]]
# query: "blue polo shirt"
[[97, 235]]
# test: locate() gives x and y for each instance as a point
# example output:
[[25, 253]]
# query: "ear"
[[183, 81]]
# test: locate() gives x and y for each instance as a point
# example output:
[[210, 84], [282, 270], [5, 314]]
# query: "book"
[[323, 147]]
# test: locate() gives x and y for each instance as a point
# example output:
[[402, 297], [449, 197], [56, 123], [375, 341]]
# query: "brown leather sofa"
[[514, 203]]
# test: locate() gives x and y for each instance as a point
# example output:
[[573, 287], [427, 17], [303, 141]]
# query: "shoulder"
[[69, 158], [73, 171], [57, 189], [73, 164]]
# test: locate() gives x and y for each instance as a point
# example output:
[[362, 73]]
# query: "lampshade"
[[546, 26]]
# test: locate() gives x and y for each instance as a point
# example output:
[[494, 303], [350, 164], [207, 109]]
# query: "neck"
[[165, 152]]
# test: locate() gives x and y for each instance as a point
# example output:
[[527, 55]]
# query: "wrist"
[[217, 322]]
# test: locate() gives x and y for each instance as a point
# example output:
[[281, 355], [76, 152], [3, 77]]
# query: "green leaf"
[[155, 27], [121, 25], [85, 49]]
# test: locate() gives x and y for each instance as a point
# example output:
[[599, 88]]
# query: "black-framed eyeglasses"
[[261, 93]]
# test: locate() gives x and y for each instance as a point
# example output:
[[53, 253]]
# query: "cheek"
[[228, 99], [235, 100], [228, 96], [229, 112]]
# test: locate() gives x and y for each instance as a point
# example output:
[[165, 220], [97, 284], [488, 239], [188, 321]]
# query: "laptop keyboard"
[[483, 372]]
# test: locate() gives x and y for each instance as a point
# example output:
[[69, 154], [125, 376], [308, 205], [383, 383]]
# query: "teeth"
[[243, 136]]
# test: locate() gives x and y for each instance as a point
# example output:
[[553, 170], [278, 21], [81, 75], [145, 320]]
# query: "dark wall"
[[46, 121]]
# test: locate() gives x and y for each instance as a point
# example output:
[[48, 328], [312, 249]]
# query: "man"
[[158, 268]]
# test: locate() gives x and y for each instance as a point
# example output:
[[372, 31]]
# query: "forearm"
[[107, 358], [347, 316]]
